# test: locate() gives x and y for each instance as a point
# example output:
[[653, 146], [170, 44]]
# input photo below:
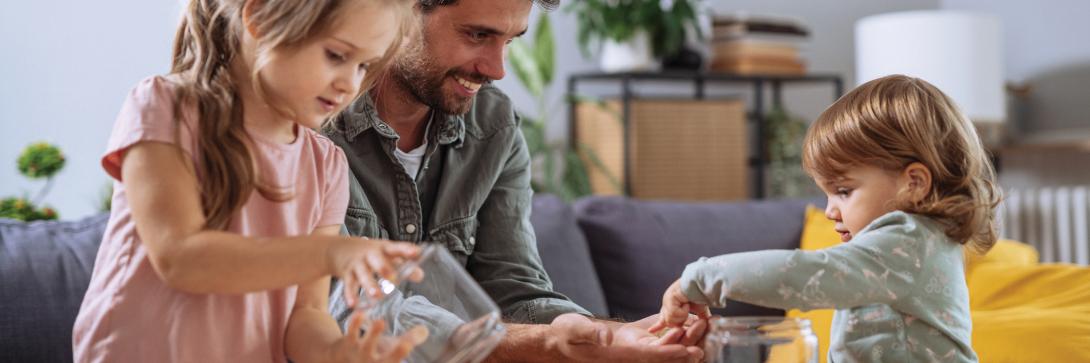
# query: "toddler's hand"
[[676, 308], [358, 260], [373, 346]]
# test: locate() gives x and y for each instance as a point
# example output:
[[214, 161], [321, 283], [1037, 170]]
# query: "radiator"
[[1054, 220]]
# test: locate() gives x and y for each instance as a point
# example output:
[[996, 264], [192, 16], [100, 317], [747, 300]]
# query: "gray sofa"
[[615, 256], [44, 270], [612, 255]]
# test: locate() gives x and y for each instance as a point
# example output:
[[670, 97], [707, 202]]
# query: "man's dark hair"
[[428, 5]]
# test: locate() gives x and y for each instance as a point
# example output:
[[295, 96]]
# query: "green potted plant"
[[785, 177], [633, 33], [39, 160], [563, 172]]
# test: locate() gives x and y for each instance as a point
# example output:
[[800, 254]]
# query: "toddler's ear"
[[247, 16], [918, 180]]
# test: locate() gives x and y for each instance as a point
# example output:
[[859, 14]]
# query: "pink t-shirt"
[[130, 315]]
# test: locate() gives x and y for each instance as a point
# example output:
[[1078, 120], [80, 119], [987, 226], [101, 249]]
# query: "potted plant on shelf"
[[634, 33]]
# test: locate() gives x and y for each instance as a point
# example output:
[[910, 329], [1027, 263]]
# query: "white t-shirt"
[[411, 160]]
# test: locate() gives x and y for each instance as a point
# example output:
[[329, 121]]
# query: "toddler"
[[908, 184]]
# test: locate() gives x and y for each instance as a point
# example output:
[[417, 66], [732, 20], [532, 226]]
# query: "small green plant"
[[784, 154], [106, 197], [23, 210], [564, 172], [621, 20], [39, 160]]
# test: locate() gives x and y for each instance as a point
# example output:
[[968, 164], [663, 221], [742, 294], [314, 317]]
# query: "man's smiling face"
[[459, 48]]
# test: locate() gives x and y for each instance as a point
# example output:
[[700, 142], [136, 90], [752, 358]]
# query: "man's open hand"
[[580, 338]]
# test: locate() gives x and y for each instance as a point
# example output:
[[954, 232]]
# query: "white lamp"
[[958, 52]]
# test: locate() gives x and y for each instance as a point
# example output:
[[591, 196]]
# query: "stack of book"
[[757, 45]]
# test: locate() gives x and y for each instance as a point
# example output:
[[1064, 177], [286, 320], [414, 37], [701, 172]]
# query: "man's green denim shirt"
[[472, 194]]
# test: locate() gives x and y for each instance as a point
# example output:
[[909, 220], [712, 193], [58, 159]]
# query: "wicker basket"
[[680, 149]]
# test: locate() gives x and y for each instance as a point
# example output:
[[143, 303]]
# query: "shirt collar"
[[362, 115]]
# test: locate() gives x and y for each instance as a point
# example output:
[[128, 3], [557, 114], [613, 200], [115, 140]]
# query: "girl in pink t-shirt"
[[227, 205]]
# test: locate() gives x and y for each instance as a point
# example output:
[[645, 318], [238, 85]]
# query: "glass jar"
[[760, 339], [462, 320]]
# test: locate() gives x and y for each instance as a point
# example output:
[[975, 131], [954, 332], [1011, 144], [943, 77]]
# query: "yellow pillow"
[[1033, 313], [1007, 252], [818, 232], [1028, 312]]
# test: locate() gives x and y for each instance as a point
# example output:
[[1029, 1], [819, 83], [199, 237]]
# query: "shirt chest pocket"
[[458, 235], [363, 222]]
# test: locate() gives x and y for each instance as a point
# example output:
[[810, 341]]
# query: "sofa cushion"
[[44, 271], [1030, 313], [565, 254], [1006, 252], [640, 247]]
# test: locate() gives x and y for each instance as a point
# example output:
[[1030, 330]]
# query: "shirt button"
[[410, 228]]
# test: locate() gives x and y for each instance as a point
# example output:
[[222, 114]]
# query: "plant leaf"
[[533, 131], [526, 68], [550, 170], [686, 13], [576, 179], [601, 166], [673, 36], [545, 49], [583, 36]]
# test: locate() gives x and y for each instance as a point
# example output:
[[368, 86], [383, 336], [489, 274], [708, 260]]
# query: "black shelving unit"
[[700, 81]]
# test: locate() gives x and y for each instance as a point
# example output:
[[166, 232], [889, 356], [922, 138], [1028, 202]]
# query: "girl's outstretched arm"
[[313, 335], [164, 195]]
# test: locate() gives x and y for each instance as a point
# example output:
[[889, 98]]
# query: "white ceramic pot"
[[632, 55]]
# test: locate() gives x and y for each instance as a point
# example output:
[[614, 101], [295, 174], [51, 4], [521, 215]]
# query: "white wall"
[[830, 50], [1040, 35], [1045, 48], [65, 67]]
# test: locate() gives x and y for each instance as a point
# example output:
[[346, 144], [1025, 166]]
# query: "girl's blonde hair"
[[897, 120], [206, 44]]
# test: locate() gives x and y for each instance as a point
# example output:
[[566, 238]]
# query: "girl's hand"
[[358, 260], [676, 308], [373, 346]]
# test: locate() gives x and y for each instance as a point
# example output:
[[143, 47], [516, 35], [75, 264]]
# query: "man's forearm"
[[578, 338], [531, 343], [525, 343]]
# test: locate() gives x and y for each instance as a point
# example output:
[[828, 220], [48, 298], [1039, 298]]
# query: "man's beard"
[[418, 73]]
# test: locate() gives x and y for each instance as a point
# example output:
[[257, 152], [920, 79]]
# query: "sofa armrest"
[[45, 268], [565, 254]]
